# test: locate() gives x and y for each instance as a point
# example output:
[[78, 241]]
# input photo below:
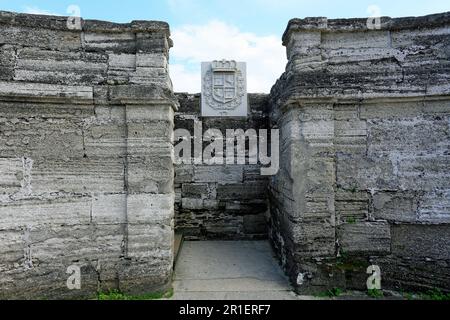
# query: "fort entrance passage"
[[227, 201], [230, 270]]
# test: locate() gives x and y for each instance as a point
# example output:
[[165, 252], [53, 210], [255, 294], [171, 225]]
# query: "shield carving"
[[224, 86]]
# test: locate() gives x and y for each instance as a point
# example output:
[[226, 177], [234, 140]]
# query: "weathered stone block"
[[148, 76], [303, 43], [115, 42], [143, 113], [421, 241], [219, 174], [357, 172], [151, 60], [411, 38], [192, 203], [246, 207], [150, 132], [150, 208], [56, 67], [150, 241], [211, 204], [434, 207], [7, 62], [107, 115], [198, 190], [150, 174], [107, 139], [416, 275], [253, 173], [48, 282], [406, 135], [41, 140], [371, 39], [350, 128], [152, 42], [313, 238], [41, 38], [245, 191], [346, 112], [184, 173], [121, 67], [42, 91], [68, 245], [11, 111], [12, 175], [109, 208], [317, 132], [390, 110], [77, 176], [396, 206], [12, 248], [365, 238], [151, 274], [351, 205], [423, 172], [63, 211]]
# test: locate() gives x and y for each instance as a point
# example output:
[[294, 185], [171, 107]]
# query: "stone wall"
[[221, 202], [86, 172], [365, 139]]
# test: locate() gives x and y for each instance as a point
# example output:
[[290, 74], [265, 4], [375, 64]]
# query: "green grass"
[[332, 293], [375, 293], [117, 295], [351, 220], [433, 295], [408, 295], [437, 295]]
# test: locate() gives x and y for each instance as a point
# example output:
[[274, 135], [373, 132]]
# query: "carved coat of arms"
[[224, 87]]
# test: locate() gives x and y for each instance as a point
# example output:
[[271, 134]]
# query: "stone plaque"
[[224, 89]]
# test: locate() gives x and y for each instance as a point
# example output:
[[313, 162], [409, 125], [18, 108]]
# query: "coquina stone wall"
[[221, 201], [86, 171], [365, 153]]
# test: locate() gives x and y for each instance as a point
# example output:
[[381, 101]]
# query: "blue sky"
[[246, 30]]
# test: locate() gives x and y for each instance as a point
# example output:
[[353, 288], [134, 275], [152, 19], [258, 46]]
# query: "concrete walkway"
[[233, 270]]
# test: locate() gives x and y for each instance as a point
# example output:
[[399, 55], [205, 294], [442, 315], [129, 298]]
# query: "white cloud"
[[184, 80], [265, 56], [36, 10]]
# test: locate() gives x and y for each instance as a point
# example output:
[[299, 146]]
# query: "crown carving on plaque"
[[224, 65]]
